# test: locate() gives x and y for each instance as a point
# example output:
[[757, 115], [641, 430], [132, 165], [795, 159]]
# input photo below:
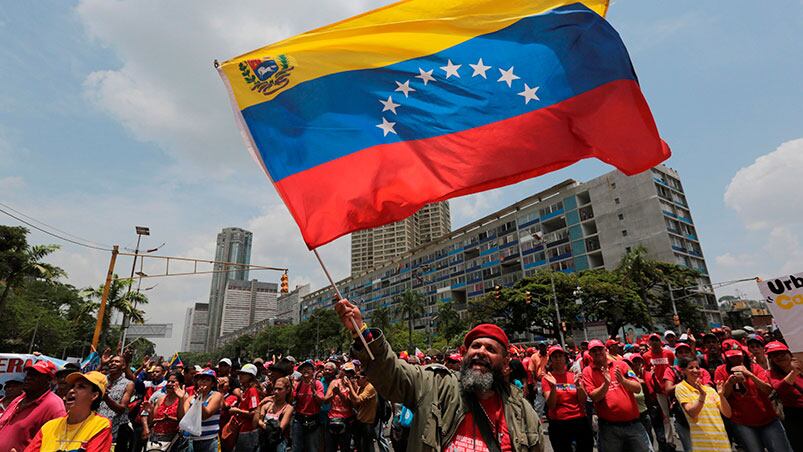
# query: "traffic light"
[[497, 292], [285, 283], [528, 297], [676, 320], [563, 326]]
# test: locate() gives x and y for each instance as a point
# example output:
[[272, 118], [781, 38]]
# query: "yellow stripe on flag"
[[385, 36]]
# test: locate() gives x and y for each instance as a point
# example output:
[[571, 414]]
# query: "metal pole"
[[104, 297], [128, 292], [672, 298], [35, 329], [557, 309]]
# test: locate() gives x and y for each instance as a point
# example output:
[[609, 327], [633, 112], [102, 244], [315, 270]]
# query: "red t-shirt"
[[790, 395], [248, 401], [19, 425], [750, 406], [340, 407], [567, 406], [229, 400], [306, 404], [619, 404], [468, 436], [658, 363]]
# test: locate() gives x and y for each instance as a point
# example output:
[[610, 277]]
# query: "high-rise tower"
[[233, 245]]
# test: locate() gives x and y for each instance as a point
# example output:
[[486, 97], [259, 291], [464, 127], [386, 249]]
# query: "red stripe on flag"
[[387, 183]]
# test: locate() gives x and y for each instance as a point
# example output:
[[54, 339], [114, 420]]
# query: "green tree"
[[121, 301], [20, 261], [410, 306], [380, 318], [450, 326]]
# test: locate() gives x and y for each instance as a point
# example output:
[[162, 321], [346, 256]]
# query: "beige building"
[[246, 303], [375, 247]]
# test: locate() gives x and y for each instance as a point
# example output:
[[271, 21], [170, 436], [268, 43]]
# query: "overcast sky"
[[111, 116]]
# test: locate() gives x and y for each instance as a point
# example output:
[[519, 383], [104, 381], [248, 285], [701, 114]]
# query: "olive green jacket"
[[434, 395]]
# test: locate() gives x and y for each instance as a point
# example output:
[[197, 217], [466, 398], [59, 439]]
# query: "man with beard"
[[472, 410]]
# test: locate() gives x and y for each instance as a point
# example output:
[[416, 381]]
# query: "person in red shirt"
[[341, 413], [309, 396], [565, 401], [26, 414], [248, 438], [611, 386], [786, 379], [747, 388], [658, 359], [229, 399]]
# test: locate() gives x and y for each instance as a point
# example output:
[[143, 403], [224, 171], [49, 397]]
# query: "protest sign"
[[784, 297]]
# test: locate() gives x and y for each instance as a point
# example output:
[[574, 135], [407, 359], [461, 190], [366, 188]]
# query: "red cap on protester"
[[775, 346], [610, 342], [731, 348], [655, 335], [594, 343], [44, 367], [682, 345], [530, 350], [455, 357], [553, 349], [486, 330]]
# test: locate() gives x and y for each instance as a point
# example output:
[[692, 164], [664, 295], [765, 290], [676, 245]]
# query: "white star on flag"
[[451, 69], [529, 94], [479, 69], [426, 76], [389, 104], [405, 88], [387, 127], [508, 76]]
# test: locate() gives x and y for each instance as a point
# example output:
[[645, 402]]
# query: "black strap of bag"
[[484, 425]]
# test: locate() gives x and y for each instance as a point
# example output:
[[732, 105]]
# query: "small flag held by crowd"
[[92, 362], [176, 361]]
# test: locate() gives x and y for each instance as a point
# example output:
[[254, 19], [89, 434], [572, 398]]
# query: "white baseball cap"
[[668, 332], [226, 361], [248, 369]]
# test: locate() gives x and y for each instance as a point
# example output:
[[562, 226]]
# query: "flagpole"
[[340, 297]]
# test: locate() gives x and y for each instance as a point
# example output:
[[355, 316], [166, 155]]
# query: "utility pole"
[[141, 230], [104, 297], [579, 301], [557, 309], [33, 337]]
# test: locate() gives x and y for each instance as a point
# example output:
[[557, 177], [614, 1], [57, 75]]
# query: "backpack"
[[384, 410]]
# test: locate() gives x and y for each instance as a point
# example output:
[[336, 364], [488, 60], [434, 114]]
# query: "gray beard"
[[472, 380]]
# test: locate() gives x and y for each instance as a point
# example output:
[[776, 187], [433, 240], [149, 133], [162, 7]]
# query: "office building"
[[233, 245], [246, 303], [372, 248], [289, 304], [198, 322], [572, 226]]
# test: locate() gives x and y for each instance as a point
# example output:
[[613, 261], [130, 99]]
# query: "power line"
[[75, 237], [50, 233]]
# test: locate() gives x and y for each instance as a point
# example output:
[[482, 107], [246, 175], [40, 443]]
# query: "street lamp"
[[539, 237], [141, 230], [578, 294]]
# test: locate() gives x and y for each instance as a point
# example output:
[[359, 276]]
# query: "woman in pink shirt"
[[341, 414], [786, 379]]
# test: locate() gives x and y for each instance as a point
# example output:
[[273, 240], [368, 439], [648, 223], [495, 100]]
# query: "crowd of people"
[[715, 390]]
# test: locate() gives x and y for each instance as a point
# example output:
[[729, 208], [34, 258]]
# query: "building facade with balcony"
[[569, 227]]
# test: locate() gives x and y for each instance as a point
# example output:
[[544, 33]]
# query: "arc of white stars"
[[387, 127], [405, 88], [425, 76], [479, 69], [508, 76], [451, 69], [389, 104], [529, 94]]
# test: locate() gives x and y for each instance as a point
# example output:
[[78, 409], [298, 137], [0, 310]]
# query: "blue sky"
[[111, 115]]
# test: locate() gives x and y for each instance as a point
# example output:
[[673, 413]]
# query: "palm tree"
[[380, 318], [120, 300], [19, 261], [410, 305]]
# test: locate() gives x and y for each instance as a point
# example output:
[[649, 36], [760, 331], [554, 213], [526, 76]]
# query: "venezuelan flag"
[[363, 122]]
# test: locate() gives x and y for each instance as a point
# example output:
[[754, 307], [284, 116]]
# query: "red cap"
[[44, 367], [594, 343], [717, 330], [610, 342], [454, 357], [775, 346], [513, 350], [486, 330], [553, 349], [731, 348], [530, 350], [655, 335], [682, 345]]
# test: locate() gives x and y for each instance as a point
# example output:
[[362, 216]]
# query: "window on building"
[[624, 232], [621, 217], [613, 185], [616, 201]]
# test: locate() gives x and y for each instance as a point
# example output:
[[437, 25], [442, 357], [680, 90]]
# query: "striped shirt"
[[209, 426], [707, 429]]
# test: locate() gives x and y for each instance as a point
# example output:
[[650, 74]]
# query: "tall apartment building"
[[289, 304], [198, 323], [581, 226], [376, 247], [233, 245], [246, 303]]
